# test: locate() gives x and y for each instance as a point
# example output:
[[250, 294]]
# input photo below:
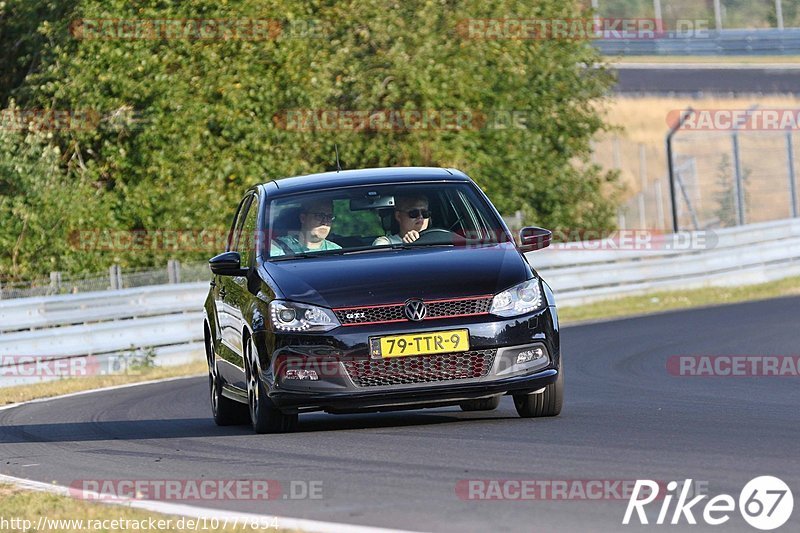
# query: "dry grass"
[[642, 125], [668, 301], [17, 505], [21, 393]]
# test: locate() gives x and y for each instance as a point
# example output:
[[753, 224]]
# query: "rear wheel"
[[546, 403], [482, 404], [264, 416]]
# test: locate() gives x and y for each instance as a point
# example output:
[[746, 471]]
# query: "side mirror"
[[227, 264], [532, 238]]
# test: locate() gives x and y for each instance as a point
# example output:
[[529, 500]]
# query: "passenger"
[[412, 215], [315, 225]]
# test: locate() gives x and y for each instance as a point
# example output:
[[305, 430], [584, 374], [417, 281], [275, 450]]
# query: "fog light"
[[301, 374], [531, 354]]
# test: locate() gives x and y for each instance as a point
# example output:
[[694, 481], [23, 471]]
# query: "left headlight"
[[292, 316], [519, 299]]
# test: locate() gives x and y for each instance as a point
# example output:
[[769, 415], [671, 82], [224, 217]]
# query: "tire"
[[482, 404], [547, 403], [264, 416], [226, 412]]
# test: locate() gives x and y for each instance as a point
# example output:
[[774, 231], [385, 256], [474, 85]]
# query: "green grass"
[[667, 301], [17, 505]]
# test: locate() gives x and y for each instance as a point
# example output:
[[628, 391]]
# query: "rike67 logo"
[[765, 503]]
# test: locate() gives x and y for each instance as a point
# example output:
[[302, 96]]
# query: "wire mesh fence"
[[116, 278], [722, 178]]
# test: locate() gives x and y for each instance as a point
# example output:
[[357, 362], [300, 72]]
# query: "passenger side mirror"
[[227, 264], [532, 238]]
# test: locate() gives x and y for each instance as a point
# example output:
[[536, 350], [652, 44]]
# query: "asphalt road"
[[625, 418], [716, 79]]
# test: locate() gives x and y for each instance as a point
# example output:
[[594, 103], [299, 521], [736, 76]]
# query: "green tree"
[[187, 124]]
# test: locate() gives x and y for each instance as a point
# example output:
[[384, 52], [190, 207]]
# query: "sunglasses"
[[324, 218], [417, 213]]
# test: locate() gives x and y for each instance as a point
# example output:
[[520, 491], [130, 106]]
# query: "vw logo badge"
[[415, 310]]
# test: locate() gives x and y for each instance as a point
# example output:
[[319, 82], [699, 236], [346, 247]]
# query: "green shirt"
[[293, 243]]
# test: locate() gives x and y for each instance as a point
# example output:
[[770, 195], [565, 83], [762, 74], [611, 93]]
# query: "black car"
[[377, 290]]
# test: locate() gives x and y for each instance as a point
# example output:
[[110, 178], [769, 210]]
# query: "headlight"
[[291, 316], [518, 300]]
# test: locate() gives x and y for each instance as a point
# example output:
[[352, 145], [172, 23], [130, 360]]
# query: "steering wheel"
[[435, 236]]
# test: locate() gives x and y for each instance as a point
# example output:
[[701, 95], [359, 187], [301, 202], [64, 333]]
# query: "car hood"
[[393, 276]]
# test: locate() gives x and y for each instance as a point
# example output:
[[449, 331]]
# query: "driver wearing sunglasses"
[[412, 215], [315, 225]]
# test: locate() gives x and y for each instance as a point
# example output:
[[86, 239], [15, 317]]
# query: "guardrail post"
[[115, 275], [792, 179], [738, 185], [174, 271], [671, 166], [55, 282]]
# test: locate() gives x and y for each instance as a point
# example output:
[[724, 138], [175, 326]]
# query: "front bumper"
[[339, 358], [438, 395]]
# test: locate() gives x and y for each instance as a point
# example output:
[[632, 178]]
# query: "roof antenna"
[[338, 165]]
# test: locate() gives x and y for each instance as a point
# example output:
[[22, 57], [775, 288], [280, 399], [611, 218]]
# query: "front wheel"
[[226, 412], [264, 416], [547, 403]]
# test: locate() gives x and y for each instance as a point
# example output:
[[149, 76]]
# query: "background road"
[[718, 79], [625, 418]]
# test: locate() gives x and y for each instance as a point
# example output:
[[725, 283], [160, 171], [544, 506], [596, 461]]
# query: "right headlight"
[[519, 299], [292, 316]]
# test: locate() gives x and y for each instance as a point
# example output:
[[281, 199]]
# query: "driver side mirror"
[[227, 264], [532, 238]]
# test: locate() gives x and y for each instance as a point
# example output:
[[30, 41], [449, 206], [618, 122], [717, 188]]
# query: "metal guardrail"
[[731, 256], [708, 43], [167, 318]]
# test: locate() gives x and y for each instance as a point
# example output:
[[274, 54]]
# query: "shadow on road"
[[202, 427]]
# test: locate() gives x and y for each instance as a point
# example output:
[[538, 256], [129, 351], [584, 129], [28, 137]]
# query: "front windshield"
[[362, 219]]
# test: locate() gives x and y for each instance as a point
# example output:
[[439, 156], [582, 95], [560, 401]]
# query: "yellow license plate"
[[419, 343]]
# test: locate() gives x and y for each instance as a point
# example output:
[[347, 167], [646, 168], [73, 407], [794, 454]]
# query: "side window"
[[246, 244], [236, 225]]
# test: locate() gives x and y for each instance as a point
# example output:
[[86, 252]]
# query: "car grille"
[[383, 314], [422, 369]]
